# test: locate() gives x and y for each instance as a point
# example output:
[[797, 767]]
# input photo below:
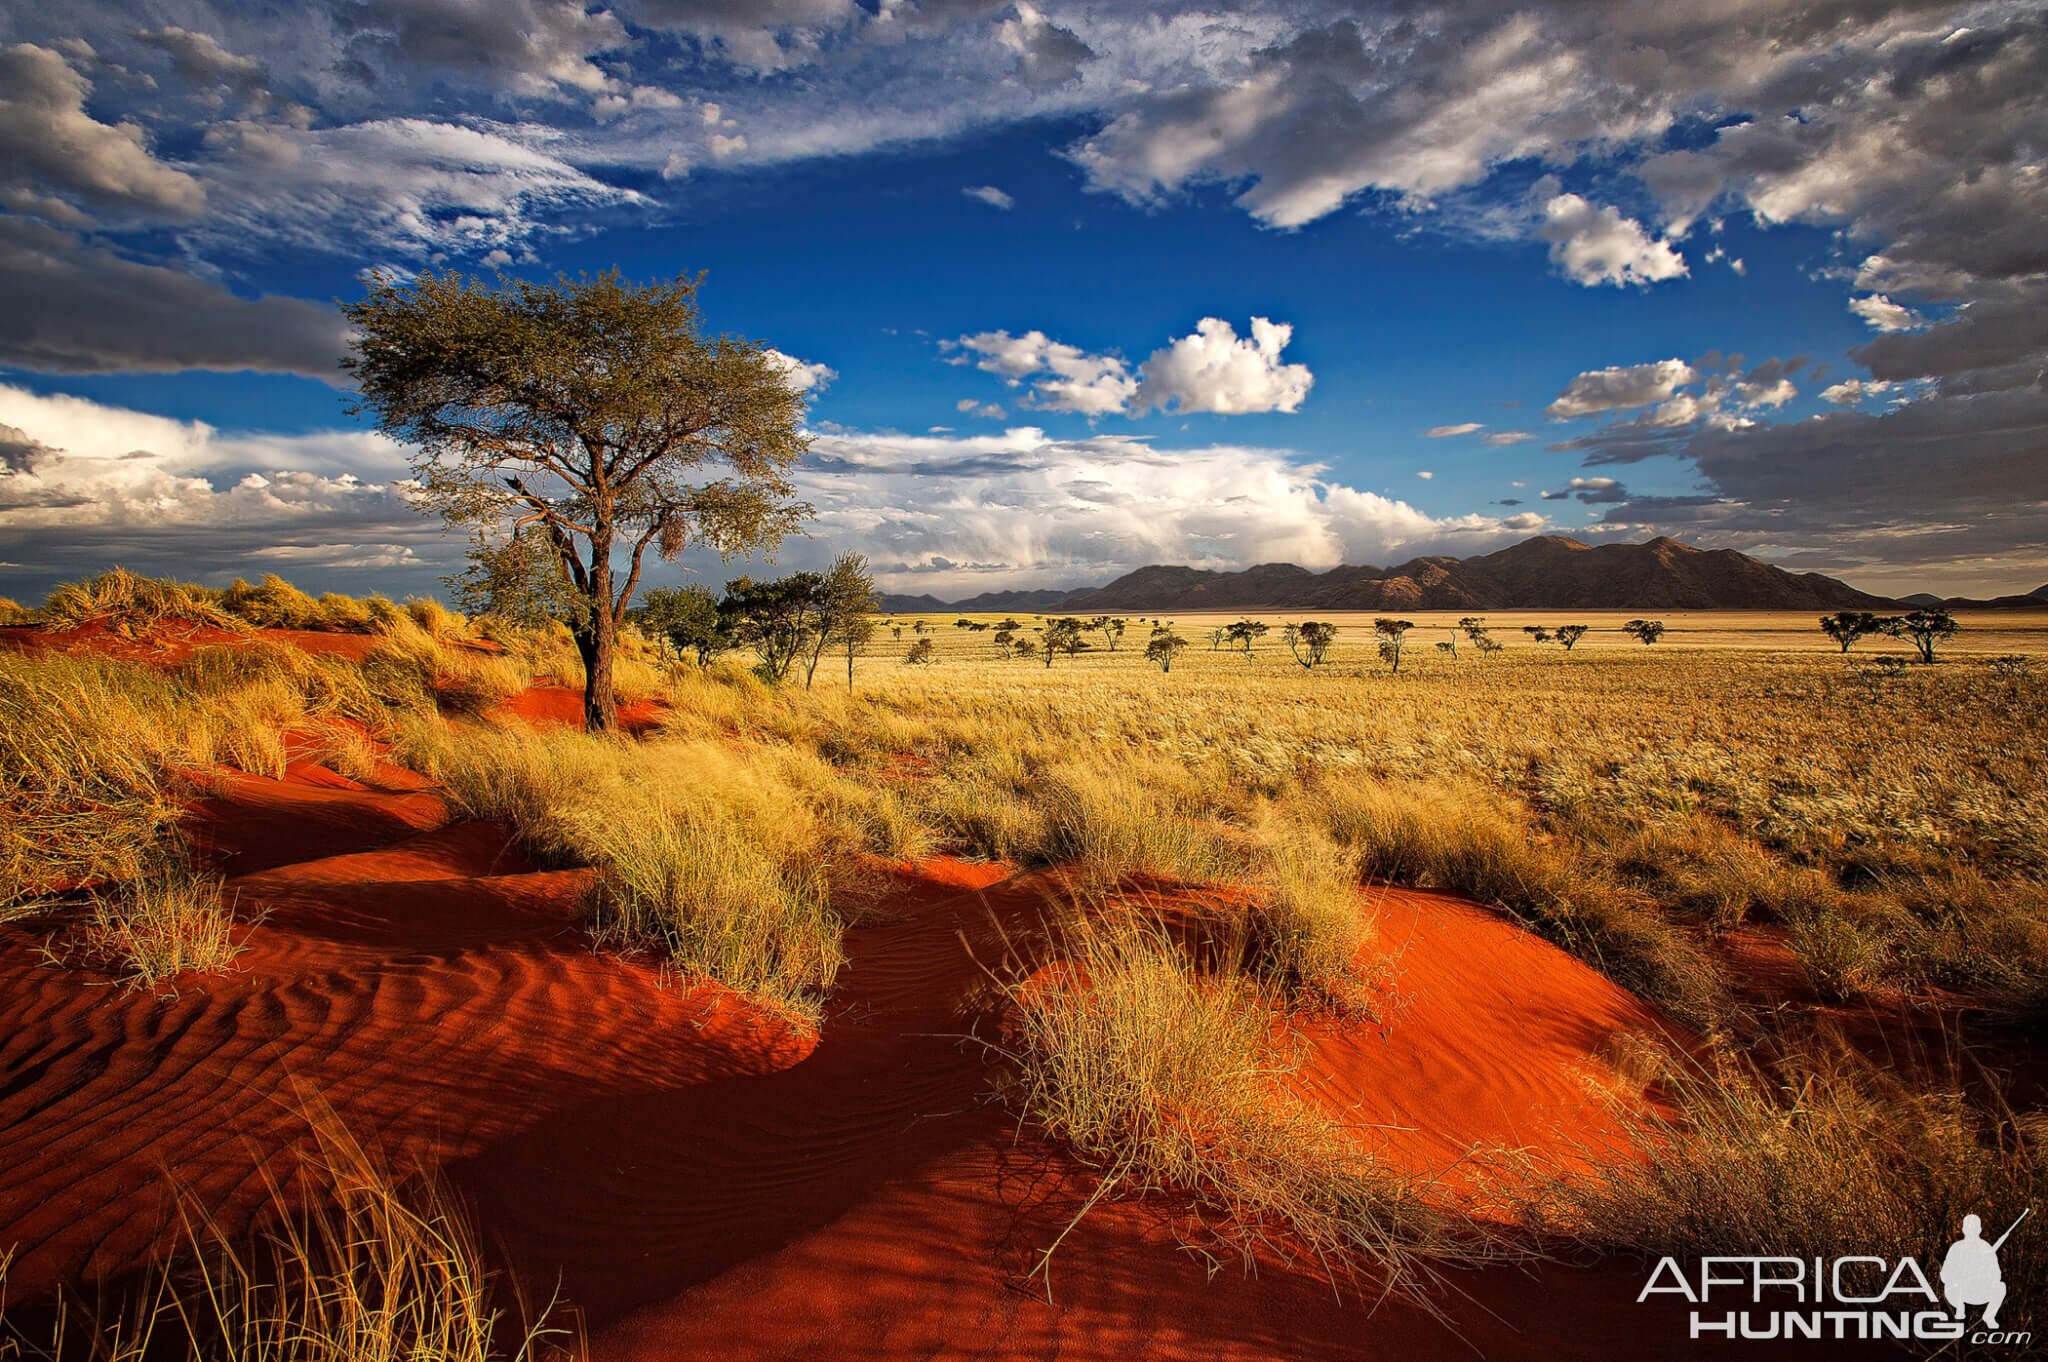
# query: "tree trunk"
[[598, 644]]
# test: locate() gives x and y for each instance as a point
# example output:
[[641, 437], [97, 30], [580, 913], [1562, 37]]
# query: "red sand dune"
[[170, 643], [702, 1179], [564, 705]]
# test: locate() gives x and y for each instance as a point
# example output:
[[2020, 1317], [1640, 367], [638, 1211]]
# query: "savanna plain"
[[356, 1004]]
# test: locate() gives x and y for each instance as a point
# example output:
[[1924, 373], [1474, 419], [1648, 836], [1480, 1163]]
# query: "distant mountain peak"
[[1547, 572]]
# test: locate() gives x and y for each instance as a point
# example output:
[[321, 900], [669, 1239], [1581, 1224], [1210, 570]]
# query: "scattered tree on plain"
[[1027, 647], [1244, 633], [1570, 634], [1847, 626], [1310, 642], [1216, 637], [1648, 631], [1537, 633], [1110, 628], [1063, 635], [1005, 641], [1924, 629], [1163, 647], [590, 411], [846, 604], [1393, 635], [923, 653]]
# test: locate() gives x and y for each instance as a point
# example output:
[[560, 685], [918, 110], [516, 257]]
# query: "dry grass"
[[1819, 1154], [131, 604], [167, 922], [715, 859], [359, 1265], [1161, 1079]]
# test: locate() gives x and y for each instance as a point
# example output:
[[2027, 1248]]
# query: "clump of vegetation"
[[1820, 1154], [164, 923], [360, 1265], [1160, 1078], [129, 604]]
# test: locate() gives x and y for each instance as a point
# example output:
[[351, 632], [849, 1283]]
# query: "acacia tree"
[[1110, 628], [1570, 634], [590, 410], [1393, 637], [1649, 631], [1063, 636], [1850, 625], [1924, 629], [1310, 642], [1164, 646], [684, 618], [844, 604], [1244, 633], [779, 620]]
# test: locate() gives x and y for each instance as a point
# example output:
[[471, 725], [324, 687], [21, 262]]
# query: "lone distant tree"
[[1244, 633], [1474, 628], [1005, 641], [1027, 648], [1648, 631], [1216, 637], [1393, 638], [1847, 626], [1924, 629], [1063, 635], [1570, 634], [1310, 642], [1110, 628], [923, 653], [589, 410], [846, 604], [1163, 647]]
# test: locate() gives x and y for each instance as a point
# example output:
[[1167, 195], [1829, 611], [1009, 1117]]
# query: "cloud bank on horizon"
[[1245, 270]]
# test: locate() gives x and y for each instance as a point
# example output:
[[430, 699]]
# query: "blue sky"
[[1075, 288]]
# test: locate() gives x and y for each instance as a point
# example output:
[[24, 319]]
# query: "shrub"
[[1160, 1079], [164, 923], [129, 604]]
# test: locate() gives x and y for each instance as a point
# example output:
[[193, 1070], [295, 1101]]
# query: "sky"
[[1072, 288]]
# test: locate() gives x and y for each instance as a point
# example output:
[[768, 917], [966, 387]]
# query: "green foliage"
[[588, 412], [1244, 633], [1393, 638], [1924, 629], [1163, 647], [923, 653], [684, 618], [1310, 642], [1847, 626]]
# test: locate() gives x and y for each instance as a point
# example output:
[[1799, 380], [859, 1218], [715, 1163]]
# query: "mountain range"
[[1549, 572]]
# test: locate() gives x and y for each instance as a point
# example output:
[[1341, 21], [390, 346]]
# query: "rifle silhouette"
[[2010, 1228]]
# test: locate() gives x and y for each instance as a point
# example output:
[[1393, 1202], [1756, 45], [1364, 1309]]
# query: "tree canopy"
[[590, 411]]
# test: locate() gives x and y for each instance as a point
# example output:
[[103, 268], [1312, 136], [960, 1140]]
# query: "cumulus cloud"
[[956, 514], [159, 495], [1594, 245], [990, 195], [1884, 314], [805, 378], [1215, 370], [530, 47], [47, 137], [1462, 428], [986, 411], [1065, 377], [1046, 53], [1620, 388]]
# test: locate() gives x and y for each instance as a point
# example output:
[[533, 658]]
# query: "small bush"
[[164, 923], [436, 619], [130, 604], [1161, 1079]]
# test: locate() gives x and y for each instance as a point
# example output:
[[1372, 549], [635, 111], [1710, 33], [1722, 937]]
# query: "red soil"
[[564, 705], [703, 1179], [170, 643]]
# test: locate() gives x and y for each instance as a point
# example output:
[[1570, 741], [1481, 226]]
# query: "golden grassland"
[[1634, 805]]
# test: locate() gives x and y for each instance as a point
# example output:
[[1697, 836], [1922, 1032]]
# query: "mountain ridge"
[[1548, 572]]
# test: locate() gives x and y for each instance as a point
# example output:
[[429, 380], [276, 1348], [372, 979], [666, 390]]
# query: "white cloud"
[[962, 513], [1214, 370], [1851, 391], [107, 484], [1884, 314], [805, 378], [1595, 245], [1046, 53], [1510, 437], [990, 195], [1462, 428], [1620, 387], [986, 411], [1424, 474], [1066, 378]]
